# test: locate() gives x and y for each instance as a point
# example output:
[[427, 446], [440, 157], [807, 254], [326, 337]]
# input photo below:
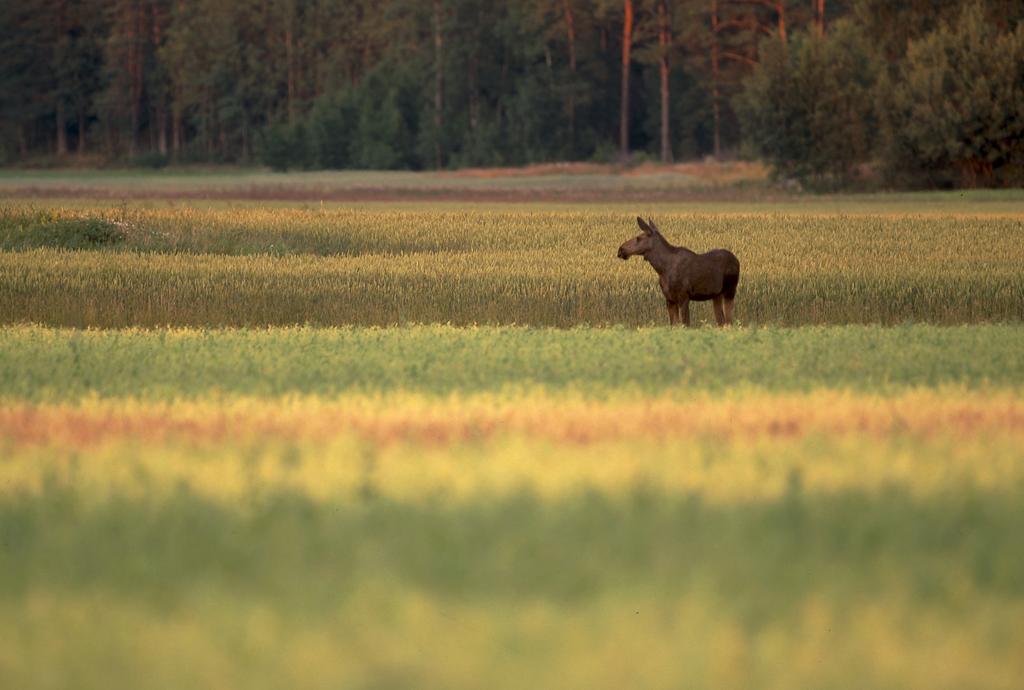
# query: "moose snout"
[[622, 253]]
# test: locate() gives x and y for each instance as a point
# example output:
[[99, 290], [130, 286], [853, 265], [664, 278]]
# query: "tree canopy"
[[416, 84]]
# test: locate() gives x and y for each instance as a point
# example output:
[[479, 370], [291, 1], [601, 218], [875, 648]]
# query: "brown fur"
[[686, 276]]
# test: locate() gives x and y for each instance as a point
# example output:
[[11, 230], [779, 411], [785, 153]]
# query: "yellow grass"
[[412, 448]]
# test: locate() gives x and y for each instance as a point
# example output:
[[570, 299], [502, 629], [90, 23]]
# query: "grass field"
[[262, 445], [249, 266]]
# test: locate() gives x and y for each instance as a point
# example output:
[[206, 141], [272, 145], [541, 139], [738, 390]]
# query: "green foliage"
[[286, 146], [19, 231], [152, 159], [334, 128], [211, 81], [51, 365], [892, 26], [384, 138], [953, 112], [371, 126], [807, 107]]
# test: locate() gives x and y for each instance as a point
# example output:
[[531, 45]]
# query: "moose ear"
[[643, 226], [654, 228]]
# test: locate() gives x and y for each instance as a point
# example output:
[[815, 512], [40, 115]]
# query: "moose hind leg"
[[719, 314], [729, 303], [673, 313]]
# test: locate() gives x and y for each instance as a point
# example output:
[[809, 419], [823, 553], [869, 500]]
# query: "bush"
[[151, 159], [953, 113], [44, 229], [333, 127], [387, 122], [286, 146], [807, 107]]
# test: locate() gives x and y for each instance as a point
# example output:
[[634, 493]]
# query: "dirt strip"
[[313, 193]]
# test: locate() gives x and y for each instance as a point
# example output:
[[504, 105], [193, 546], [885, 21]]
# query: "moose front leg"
[[684, 308]]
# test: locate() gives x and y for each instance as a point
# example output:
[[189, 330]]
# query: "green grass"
[[742, 189], [38, 363], [766, 558]]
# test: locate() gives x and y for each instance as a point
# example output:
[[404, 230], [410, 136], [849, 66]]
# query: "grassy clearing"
[[579, 182], [51, 364], [256, 267], [790, 237], [736, 186]]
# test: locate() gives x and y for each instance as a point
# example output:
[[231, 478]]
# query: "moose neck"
[[660, 255]]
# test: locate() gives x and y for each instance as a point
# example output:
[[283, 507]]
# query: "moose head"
[[642, 243]]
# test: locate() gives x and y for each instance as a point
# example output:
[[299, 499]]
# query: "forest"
[[828, 92]]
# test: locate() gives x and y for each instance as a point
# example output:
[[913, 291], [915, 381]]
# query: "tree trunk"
[[161, 99], [570, 30], [176, 138], [819, 16], [780, 7], [627, 45], [438, 85], [474, 91], [62, 130], [135, 72], [81, 132], [289, 49], [208, 125], [716, 95], [245, 138], [137, 79], [664, 43], [161, 125]]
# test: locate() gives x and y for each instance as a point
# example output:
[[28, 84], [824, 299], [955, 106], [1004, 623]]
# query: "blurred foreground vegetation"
[[448, 508]]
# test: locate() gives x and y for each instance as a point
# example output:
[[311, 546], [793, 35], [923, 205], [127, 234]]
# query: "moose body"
[[686, 276]]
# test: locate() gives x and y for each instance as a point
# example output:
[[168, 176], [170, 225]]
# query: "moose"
[[686, 276]]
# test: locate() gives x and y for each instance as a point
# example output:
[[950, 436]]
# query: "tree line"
[[818, 88]]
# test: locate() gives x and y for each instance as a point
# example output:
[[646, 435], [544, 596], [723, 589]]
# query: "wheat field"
[[417, 445], [369, 266]]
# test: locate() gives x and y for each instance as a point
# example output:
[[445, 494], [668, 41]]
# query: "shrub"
[[46, 229], [807, 107], [952, 114], [286, 146], [151, 159]]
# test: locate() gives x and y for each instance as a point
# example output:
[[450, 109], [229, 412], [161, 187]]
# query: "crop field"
[[443, 444], [246, 266]]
